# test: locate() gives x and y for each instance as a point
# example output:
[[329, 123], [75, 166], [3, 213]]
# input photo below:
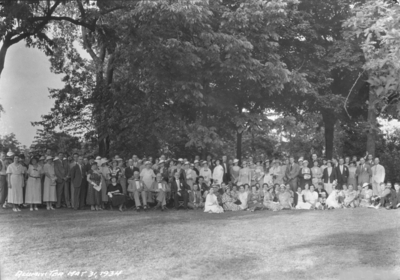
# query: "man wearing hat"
[[61, 169], [292, 171]]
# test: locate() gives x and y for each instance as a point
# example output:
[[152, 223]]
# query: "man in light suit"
[[77, 179], [61, 169], [363, 172], [342, 173], [291, 173], [378, 177], [160, 187], [137, 189]]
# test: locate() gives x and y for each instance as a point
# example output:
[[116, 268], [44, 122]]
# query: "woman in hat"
[[93, 197], [366, 195], [316, 173], [352, 179], [211, 205], [228, 202], [114, 192], [269, 200], [15, 173], [305, 174], [105, 179], [33, 192], [218, 172], [235, 168], [147, 176], [49, 191]]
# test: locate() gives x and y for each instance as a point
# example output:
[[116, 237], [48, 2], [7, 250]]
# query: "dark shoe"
[[137, 209]]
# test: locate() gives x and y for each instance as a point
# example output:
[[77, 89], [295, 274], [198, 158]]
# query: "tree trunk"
[[239, 145], [329, 119], [372, 123], [3, 52]]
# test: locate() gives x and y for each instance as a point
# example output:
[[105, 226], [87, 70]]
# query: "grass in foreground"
[[337, 244]]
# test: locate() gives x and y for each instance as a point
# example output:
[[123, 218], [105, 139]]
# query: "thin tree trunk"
[[3, 52], [239, 145], [372, 122], [329, 119]]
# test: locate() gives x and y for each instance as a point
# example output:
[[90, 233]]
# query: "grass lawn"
[[336, 244]]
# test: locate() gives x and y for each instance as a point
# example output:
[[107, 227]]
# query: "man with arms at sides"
[[61, 169], [161, 188], [363, 173], [137, 189], [77, 179], [3, 179], [378, 177], [342, 173], [314, 157], [292, 171], [225, 165], [72, 188], [130, 169], [180, 191]]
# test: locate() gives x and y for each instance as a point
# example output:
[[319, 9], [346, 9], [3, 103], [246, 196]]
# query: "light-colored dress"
[[243, 197], [235, 170], [269, 203], [276, 171], [229, 203], [328, 186], [268, 178], [93, 197], [105, 181], [212, 205], [218, 174], [15, 194], [352, 180], [206, 174], [33, 193], [285, 200], [259, 175], [316, 173], [49, 191], [244, 176], [333, 200], [300, 203], [366, 196]]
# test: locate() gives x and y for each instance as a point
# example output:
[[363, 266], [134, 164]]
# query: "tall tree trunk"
[[239, 145], [328, 116], [3, 52], [372, 123]]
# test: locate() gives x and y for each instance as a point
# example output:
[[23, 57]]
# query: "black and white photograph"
[[200, 139]]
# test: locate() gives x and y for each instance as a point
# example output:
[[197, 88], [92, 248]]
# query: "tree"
[[9, 142], [56, 141]]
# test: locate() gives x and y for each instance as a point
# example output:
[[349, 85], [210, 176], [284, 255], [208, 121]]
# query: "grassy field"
[[337, 244]]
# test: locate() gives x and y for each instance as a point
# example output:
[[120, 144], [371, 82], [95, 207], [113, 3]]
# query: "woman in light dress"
[[352, 179], [304, 199], [105, 179], [33, 194], [276, 172], [147, 176], [212, 205], [243, 196], [316, 174], [218, 173], [94, 189], [314, 198], [332, 202], [259, 173], [268, 177], [244, 175], [49, 192], [15, 174], [235, 170], [270, 200]]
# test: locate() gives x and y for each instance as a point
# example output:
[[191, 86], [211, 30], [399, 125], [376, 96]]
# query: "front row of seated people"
[[220, 198]]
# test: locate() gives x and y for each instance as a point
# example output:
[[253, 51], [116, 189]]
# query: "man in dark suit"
[[291, 173], [180, 189], [342, 173], [227, 175], [130, 169], [77, 178], [61, 169]]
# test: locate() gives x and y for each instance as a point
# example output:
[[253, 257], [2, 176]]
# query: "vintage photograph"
[[200, 139]]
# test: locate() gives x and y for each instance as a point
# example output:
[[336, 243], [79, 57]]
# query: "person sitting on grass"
[[322, 195], [235, 194], [243, 197], [394, 197], [203, 187], [384, 198], [342, 194], [314, 198], [351, 198], [285, 198], [269, 200], [303, 201], [228, 201], [195, 199], [365, 195], [115, 194], [212, 205], [332, 202], [255, 201]]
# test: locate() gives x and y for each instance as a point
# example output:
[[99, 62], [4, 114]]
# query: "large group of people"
[[212, 185]]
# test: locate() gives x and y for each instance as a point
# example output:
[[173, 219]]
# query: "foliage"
[[9, 142]]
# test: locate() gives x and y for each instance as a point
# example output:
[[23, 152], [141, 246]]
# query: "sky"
[[24, 93]]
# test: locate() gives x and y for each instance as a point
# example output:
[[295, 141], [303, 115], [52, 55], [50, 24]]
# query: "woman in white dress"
[[259, 173], [314, 198], [49, 191], [244, 175], [211, 205], [33, 193], [15, 172], [218, 173], [316, 173], [235, 169], [147, 176], [332, 202], [268, 178], [243, 196], [304, 198]]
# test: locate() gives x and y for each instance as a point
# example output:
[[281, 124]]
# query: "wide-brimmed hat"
[[49, 157], [365, 185], [196, 161], [103, 161], [187, 163], [42, 158], [10, 154], [161, 162], [235, 160], [56, 158], [147, 163], [180, 159], [117, 158], [98, 158]]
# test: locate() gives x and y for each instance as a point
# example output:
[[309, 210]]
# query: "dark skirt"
[[117, 200], [93, 197]]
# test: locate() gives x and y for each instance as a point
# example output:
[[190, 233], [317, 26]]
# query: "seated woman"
[[365, 195], [228, 201], [269, 203], [351, 198], [255, 201], [342, 194], [322, 196], [212, 205], [115, 194], [314, 199], [235, 193], [195, 199], [304, 198], [243, 197], [332, 202], [285, 198]]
